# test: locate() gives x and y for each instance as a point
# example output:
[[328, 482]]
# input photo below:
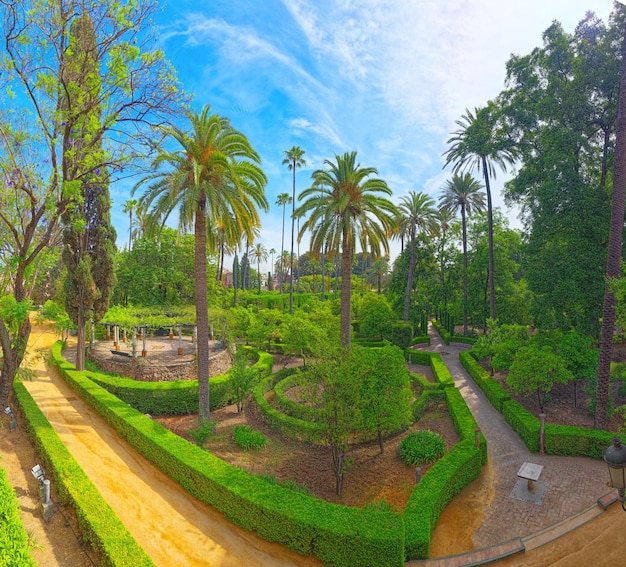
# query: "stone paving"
[[574, 484]]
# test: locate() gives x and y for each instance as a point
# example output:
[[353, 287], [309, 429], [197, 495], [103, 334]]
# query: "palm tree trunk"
[[293, 220], [492, 279], [282, 256], [202, 310], [346, 284], [409, 279], [464, 225], [614, 254]]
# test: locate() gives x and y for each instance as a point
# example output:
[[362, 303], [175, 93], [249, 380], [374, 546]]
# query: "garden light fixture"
[[615, 458]]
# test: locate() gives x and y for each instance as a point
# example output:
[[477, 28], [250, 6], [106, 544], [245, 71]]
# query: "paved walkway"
[[572, 484]]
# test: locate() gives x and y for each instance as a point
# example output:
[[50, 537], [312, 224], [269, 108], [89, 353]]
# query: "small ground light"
[[44, 491], [12, 422]]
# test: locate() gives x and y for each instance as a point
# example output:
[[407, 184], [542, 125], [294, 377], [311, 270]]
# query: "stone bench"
[[121, 353]]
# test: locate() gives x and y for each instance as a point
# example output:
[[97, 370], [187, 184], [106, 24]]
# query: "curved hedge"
[[99, 524], [14, 549], [495, 393], [287, 405], [337, 535], [175, 398]]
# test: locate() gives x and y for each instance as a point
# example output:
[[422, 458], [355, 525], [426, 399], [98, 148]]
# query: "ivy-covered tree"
[[37, 133]]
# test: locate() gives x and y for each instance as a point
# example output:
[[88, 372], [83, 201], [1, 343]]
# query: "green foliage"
[[287, 483], [537, 370], [422, 447], [401, 334], [376, 317], [204, 431], [13, 313], [14, 548], [248, 438], [242, 378]]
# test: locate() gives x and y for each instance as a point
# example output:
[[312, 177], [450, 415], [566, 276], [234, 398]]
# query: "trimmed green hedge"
[[434, 360], [176, 398], [99, 524], [287, 405], [449, 338], [337, 535], [14, 549], [570, 440], [495, 393], [419, 340]]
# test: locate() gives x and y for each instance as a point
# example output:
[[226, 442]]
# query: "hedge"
[[287, 405], [99, 524], [337, 535], [570, 440], [14, 548], [495, 393], [449, 338], [175, 398], [434, 360]]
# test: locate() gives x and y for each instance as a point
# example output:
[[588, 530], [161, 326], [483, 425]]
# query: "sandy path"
[[172, 527]]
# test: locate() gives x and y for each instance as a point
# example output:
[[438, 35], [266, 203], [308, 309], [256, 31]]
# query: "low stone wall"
[[141, 368]]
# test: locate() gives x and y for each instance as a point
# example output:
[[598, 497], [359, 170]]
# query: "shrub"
[[248, 438], [422, 447], [203, 431]]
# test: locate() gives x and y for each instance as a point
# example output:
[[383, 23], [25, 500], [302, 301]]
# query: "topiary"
[[421, 447]]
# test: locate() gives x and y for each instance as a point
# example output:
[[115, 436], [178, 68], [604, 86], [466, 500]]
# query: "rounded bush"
[[422, 447], [248, 438]]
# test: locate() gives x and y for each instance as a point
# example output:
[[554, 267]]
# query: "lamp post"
[[615, 458]]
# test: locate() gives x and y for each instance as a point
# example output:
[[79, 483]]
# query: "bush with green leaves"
[[203, 431], [248, 438], [421, 447]]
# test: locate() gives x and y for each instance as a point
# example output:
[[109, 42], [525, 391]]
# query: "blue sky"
[[387, 78]]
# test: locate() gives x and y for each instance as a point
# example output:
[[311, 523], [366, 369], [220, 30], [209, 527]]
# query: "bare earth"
[[175, 529]]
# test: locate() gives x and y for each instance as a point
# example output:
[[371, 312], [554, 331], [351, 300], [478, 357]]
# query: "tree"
[[463, 193], [37, 131], [386, 392], [282, 201], [376, 317], [128, 207], [479, 144], [294, 158], [242, 379], [215, 173], [88, 237], [614, 253], [260, 253], [271, 253], [536, 370], [379, 269], [417, 211], [344, 207]]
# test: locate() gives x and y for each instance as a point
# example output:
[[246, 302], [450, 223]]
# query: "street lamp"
[[615, 458]]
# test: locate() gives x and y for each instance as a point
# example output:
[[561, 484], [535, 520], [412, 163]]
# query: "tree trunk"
[[202, 309], [380, 442], [492, 279], [464, 225], [80, 342], [346, 287], [614, 254], [409, 279]]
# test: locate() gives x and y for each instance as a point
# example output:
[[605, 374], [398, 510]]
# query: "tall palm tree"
[[463, 193], [345, 206], [478, 144], [444, 220], [271, 253], [215, 173], [293, 160], [282, 200], [128, 207], [417, 214], [260, 253], [379, 269]]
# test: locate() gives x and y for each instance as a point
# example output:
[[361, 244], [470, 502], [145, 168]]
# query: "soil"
[[371, 476]]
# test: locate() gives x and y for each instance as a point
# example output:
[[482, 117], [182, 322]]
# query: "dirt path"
[[172, 527]]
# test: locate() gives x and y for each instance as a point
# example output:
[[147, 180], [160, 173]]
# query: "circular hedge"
[[422, 447]]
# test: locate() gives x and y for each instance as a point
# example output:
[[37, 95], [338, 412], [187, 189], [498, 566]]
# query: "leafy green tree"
[[344, 207], [302, 336], [260, 253], [536, 370], [463, 193], [37, 133], [242, 379], [479, 144], [386, 392], [417, 211], [581, 358], [376, 317], [294, 159], [88, 237], [215, 172]]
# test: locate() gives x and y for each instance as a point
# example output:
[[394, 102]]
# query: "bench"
[[121, 353], [530, 472]]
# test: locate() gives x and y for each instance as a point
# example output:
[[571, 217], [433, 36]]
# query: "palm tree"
[[444, 220], [128, 207], [315, 265], [293, 159], [417, 214], [464, 193], [345, 207], [213, 175], [282, 201], [260, 253], [478, 145], [379, 269]]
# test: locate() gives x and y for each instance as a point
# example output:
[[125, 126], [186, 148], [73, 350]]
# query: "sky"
[[385, 78]]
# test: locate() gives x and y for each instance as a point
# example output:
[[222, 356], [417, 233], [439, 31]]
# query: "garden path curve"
[[170, 525], [486, 506]]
